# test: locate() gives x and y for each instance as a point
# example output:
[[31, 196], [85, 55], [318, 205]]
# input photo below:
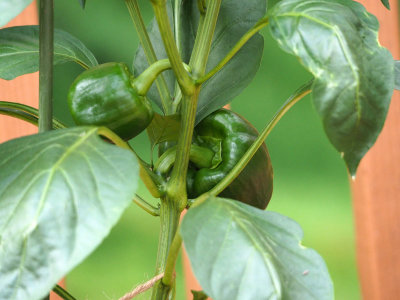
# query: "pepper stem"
[[202, 157], [143, 82]]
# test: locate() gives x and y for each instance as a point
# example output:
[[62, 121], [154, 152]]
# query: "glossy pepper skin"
[[254, 184], [105, 96]]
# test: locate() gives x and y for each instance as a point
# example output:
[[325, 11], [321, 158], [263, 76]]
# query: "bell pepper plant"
[[63, 189]]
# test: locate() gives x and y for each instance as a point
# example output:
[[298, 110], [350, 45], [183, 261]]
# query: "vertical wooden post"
[[23, 89], [376, 190]]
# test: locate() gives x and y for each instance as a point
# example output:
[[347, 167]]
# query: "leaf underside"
[[60, 194], [235, 18], [337, 42], [19, 51], [242, 252]]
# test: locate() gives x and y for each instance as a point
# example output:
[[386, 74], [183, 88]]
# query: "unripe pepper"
[[108, 95], [254, 184]]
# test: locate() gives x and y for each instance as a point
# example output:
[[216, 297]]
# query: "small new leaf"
[[19, 48], [163, 129], [10, 9], [354, 76], [60, 194], [241, 252]]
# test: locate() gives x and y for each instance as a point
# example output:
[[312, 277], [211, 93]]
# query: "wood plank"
[[23, 89], [376, 190]]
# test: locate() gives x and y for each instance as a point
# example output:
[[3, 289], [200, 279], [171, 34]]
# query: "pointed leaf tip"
[[82, 3], [386, 4]]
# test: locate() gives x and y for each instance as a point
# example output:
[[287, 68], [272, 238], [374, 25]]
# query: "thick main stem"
[[176, 196], [46, 45], [169, 221]]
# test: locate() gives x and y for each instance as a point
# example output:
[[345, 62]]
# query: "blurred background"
[[311, 183]]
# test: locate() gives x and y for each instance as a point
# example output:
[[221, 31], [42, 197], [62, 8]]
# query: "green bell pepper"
[[254, 184], [106, 95]]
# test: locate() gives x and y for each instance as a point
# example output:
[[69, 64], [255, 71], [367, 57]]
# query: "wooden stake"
[[376, 190]]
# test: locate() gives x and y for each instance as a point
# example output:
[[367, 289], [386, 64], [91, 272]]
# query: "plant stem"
[[176, 196], [177, 185], [62, 293], [152, 181], [46, 45], [204, 40], [243, 40], [144, 81], [152, 210], [25, 113], [169, 218], [202, 157], [241, 164], [148, 49], [185, 82], [171, 259]]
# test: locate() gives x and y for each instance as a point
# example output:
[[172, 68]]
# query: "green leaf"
[[397, 74], [337, 42], [235, 18], [163, 129], [60, 194], [19, 51], [386, 3], [241, 252], [82, 3], [9, 9]]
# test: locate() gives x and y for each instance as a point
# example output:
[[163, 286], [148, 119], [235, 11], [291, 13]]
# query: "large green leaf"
[[235, 18], [337, 42], [19, 51], [60, 194], [241, 252], [9, 9]]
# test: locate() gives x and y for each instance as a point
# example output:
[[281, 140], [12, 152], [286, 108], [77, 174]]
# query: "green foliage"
[[10, 9], [62, 191], [337, 42], [242, 252], [19, 48], [60, 194], [235, 18]]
